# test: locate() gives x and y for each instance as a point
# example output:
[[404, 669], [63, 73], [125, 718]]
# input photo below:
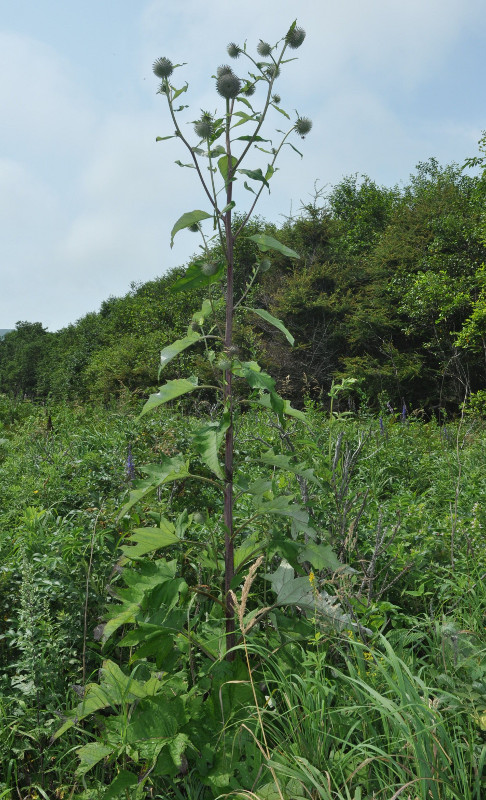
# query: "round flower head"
[[203, 128], [233, 50], [248, 89], [209, 268], [295, 37], [195, 227], [303, 126], [276, 99], [163, 88], [228, 85], [265, 265], [163, 68], [224, 69], [272, 71], [263, 48]]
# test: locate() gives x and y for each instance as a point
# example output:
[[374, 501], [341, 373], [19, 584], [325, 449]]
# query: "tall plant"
[[221, 143]]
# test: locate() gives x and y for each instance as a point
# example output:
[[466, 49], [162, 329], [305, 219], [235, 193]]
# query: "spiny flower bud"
[[276, 99], [224, 69], [295, 37], [265, 264], [263, 48], [203, 128], [209, 268], [163, 68], [272, 71], [248, 89], [195, 227], [303, 126], [228, 85], [233, 50], [223, 364]]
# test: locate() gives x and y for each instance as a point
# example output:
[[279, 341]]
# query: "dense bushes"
[[389, 290]]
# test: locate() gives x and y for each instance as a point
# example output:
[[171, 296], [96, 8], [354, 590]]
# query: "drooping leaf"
[[264, 401], [188, 219], [163, 138], [247, 103], [294, 148], [207, 441], [180, 164], [248, 188], [280, 110], [170, 391], [255, 175], [172, 350], [277, 323], [254, 375], [266, 242]]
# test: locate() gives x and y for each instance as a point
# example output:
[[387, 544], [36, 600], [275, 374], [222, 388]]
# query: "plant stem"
[[229, 565]]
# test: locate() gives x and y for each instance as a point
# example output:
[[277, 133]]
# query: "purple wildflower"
[[382, 427], [129, 466], [404, 412], [389, 407]]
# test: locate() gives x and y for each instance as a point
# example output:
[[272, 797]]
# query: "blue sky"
[[88, 198]]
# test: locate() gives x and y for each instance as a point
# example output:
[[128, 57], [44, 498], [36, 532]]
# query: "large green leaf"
[[118, 786], [156, 718], [172, 350], [283, 505], [115, 687], [170, 391], [89, 755], [194, 277], [223, 166], [170, 469], [285, 462], [301, 592], [264, 401], [320, 556], [254, 375], [188, 219], [275, 322], [266, 242], [147, 540], [207, 441]]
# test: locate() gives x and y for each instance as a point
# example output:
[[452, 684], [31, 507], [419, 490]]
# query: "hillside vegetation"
[[389, 290]]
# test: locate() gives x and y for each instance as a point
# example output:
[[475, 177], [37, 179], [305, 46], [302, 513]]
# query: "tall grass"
[[357, 723]]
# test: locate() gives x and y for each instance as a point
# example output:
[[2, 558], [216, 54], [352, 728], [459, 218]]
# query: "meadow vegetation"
[[266, 581]]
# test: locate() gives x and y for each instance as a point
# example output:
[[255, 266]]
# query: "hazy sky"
[[88, 198]]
